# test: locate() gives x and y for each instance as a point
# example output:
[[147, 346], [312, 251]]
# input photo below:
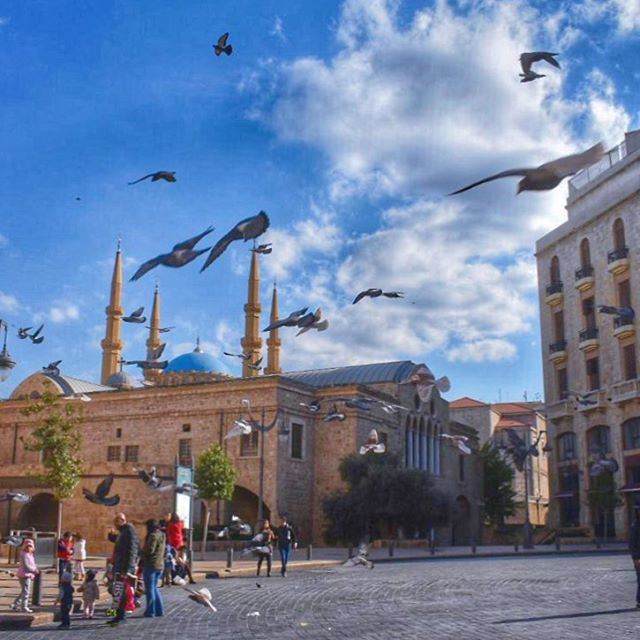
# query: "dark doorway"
[[461, 522], [41, 514]]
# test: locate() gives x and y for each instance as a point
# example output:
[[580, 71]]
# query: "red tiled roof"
[[466, 403], [506, 423], [511, 407]]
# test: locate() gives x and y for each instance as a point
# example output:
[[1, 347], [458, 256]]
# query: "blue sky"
[[346, 122]]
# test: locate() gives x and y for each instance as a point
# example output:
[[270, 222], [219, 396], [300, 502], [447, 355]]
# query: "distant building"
[[593, 259]]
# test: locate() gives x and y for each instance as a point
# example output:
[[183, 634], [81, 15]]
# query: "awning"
[[630, 487], [565, 494]]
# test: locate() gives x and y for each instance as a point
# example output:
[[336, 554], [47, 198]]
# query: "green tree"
[[498, 486], [216, 478], [603, 497], [58, 438]]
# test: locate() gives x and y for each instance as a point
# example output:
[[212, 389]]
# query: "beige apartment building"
[[593, 259]]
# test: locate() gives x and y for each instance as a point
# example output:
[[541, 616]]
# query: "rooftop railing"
[[587, 175]]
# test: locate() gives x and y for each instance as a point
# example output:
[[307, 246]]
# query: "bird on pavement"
[[182, 254], [376, 293], [221, 46], [101, 493], [529, 58], [167, 176], [548, 175], [246, 229]]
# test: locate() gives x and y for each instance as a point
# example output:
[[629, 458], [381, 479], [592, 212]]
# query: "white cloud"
[[278, 29], [8, 303], [491, 350], [63, 311]]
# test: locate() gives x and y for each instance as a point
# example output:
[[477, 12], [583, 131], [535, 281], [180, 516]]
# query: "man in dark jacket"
[[286, 540], [634, 547], [125, 560]]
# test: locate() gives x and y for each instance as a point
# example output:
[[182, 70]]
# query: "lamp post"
[[6, 363]]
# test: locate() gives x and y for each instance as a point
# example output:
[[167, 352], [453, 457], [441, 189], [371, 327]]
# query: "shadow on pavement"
[[588, 614]]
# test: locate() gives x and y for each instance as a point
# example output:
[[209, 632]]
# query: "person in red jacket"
[[65, 553], [175, 531]]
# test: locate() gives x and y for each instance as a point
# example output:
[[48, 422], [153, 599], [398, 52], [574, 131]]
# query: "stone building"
[[490, 421], [593, 259], [193, 403]]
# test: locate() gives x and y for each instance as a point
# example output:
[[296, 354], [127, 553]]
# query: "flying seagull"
[[623, 313], [290, 321], [202, 596], [182, 253], [548, 175], [334, 415], [136, 317], [240, 428], [168, 176], [372, 444], [527, 59], [458, 441], [222, 46], [376, 293], [15, 496], [100, 495], [264, 249], [246, 229], [242, 356], [53, 368]]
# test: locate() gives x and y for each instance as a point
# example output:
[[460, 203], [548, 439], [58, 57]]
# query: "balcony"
[[561, 409], [596, 401], [588, 339], [558, 351], [625, 391], [623, 327], [618, 260], [554, 295], [584, 278]]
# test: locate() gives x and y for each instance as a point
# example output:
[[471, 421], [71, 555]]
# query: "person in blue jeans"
[[286, 540], [152, 559]]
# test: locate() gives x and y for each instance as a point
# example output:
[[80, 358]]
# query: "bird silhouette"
[[334, 415], [15, 496], [202, 596], [528, 59], [264, 249], [167, 176], [136, 317], [376, 293], [52, 369], [221, 46], [290, 321], [101, 493]]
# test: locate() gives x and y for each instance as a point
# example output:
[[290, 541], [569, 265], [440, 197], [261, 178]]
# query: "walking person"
[[27, 571], [79, 556], [268, 538], [286, 541], [90, 593], [65, 598], [634, 547], [125, 560], [152, 559]]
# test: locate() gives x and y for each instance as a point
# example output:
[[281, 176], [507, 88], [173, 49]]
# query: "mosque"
[[192, 403]]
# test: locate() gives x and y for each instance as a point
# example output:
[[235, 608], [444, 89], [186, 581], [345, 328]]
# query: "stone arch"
[[461, 522], [41, 513], [244, 503]]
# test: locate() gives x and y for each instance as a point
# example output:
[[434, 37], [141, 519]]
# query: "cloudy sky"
[[347, 122]]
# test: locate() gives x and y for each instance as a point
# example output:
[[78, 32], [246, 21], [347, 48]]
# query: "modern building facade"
[[590, 364]]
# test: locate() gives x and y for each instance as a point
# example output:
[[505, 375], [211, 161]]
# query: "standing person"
[[65, 553], [169, 566], [152, 559], [268, 538], [286, 540], [65, 597], [27, 571], [90, 593], [175, 531], [79, 556], [634, 547], [125, 559]]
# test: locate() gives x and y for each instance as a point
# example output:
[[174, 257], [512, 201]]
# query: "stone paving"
[[548, 598]]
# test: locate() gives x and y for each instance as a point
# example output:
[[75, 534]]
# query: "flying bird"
[[425, 383], [290, 321], [246, 229], [364, 404], [583, 399], [548, 175], [528, 59], [152, 480], [101, 494], [256, 424], [23, 333], [264, 249], [376, 293], [360, 558], [35, 337], [136, 317], [201, 596], [146, 364], [623, 313], [236, 527], [372, 444], [188, 489], [242, 356], [240, 428], [164, 329], [256, 365], [458, 441], [312, 321], [168, 176], [256, 545], [52, 369], [156, 354], [182, 254], [334, 415], [15, 496], [221, 46], [602, 464], [311, 407], [13, 541]]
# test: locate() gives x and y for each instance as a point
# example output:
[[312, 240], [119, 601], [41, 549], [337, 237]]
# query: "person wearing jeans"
[[152, 558], [286, 540], [125, 561]]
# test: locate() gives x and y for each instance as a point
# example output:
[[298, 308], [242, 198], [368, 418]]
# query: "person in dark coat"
[[634, 548], [268, 539], [286, 540], [125, 561], [152, 559]]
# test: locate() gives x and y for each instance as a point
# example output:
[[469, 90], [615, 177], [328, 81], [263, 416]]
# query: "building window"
[[296, 441], [624, 293], [631, 429], [562, 383], [186, 428], [585, 254], [598, 440], [184, 452], [618, 235], [249, 444], [567, 447], [554, 270], [131, 453], [593, 374], [461, 467], [118, 432], [588, 311], [558, 325], [629, 362], [113, 454]]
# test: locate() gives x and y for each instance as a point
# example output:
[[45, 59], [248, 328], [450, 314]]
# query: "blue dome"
[[197, 361]]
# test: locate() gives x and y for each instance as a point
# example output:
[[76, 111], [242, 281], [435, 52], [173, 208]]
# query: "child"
[[169, 566], [79, 556], [27, 571], [90, 593], [65, 597], [65, 553]]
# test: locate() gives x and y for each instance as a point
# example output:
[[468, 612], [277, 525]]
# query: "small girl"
[[79, 556], [27, 571], [65, 597], [169, 566], [90, 593]]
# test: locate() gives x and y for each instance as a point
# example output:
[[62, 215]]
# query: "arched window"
[[554, 270], [585, 254], [598, 440], [619, 243], [631, 430], [567, 446]]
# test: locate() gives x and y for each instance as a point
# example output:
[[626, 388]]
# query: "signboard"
[[183, 502]]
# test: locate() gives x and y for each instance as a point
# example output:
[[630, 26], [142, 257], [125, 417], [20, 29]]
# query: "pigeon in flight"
[[246, 229], [602, 464], [264, 249], [35, 337], [136, 317], [164, 329], [156, 354], [334, 415], [458, 441], [425, 383], [236, 527], [100, 496], [146, 364], [360, 558], [256, 366], [583, 399], [528, 59], [312, 321], [240, 428], [53, 368], [548, 175], [23, 333], [222, 46], [152, 481], [290, 321], [13, 541], [187, 489], [519, 449], [242, 356], [256, 545], [311, 407], [364, 404], [168, 176], [15, 496], [372, 444], [623, 313], [257, 425], [182, 254], [376, 293], [201, 596]]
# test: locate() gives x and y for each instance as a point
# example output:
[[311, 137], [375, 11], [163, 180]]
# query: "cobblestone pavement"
[[527, 598]]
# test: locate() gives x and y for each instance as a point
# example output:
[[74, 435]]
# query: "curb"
[[251, 571]]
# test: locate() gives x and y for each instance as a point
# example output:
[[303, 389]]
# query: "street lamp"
[[6, 363]]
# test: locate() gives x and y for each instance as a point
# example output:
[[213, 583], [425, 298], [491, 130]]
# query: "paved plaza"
[[566, 597]]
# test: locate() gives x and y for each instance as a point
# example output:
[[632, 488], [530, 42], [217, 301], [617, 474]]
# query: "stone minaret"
[[252, 342], [273, 341], [112, 345], [154, 341]]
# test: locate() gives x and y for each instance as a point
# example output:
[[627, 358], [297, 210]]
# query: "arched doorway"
[[41, 513], [461, 522], [244, 504]]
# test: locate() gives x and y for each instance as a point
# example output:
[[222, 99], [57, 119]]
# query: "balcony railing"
[[591, 333], [560, 345], [617, 254], [584, 272], [586, 175], [554, 287]]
